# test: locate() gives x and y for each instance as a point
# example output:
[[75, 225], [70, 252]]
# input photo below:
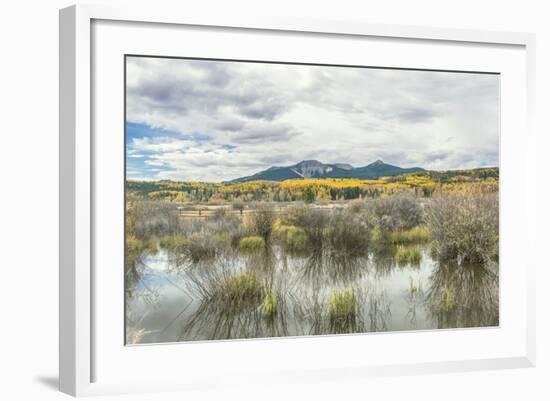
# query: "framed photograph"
[[244, 201]]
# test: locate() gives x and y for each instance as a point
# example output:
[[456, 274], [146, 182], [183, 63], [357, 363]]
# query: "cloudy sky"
[[199, 120]]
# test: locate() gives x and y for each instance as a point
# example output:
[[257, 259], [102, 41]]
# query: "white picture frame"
[[79, 152]]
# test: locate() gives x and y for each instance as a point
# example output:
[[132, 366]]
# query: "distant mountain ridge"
[[316, 169]]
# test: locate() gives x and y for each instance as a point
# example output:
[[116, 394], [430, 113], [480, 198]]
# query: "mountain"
[[380, 169], [344, 166], [316, 169]]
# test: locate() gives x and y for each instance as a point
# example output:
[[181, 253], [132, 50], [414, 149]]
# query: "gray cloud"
[[201, 86], [263, 110], [264, 133], [415, 114], [230, 125]]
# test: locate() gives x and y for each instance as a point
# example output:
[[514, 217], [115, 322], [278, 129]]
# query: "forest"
[[311, 189]]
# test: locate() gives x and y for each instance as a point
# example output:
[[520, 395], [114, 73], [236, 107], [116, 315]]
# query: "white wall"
[[29, 185]]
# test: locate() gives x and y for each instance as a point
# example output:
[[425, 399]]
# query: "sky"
[[202, 120]]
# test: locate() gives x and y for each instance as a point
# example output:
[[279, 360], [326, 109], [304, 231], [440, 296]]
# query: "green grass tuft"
[[414, 235], [135, 248], [342, 310], [241, 287], [270, 304], [408, 254], [252, 244]]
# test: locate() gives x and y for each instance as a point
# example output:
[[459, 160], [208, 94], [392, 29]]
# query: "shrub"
[[279, 230], [356, 206], [219, 213], [465, 227], [238, 205], [314, 229], [202, 246], [295, 215], [291, 237], [433, 250], [190, 226], [254, 243], [342, 310], [376, 235], [408, 254], [315, 223], [174, 243], [296, 239], [229, 228], [396, 212], [231, 234], [261, 221], [145, 219], [347, 234]]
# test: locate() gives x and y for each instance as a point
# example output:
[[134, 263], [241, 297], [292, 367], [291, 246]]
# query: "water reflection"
[[272, 293], [463, 296], [336, 268]]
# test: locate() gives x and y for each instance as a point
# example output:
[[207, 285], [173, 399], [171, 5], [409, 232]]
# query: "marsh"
[[364, 266]]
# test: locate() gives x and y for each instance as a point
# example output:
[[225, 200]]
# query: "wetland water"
[[169, 300]]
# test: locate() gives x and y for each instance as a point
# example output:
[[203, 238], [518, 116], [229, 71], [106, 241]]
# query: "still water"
[[168, 300]]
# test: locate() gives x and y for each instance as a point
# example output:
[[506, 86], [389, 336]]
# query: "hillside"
[[317, 169]]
